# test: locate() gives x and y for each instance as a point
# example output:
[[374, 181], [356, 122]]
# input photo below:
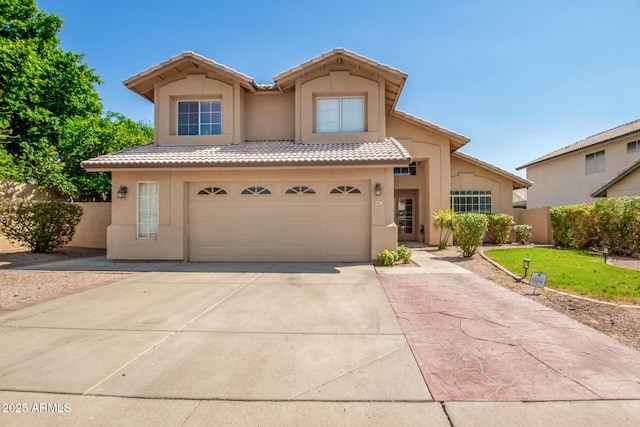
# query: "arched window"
[[255, 190], [212, 191], [345, 189], [300, 189]]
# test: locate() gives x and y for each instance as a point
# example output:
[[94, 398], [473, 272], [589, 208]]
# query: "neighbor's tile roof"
[[259, 153], [588, 142]]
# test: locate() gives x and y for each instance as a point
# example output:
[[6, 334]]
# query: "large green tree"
[[53, 118]]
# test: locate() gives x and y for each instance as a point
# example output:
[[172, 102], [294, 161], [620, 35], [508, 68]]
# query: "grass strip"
[[576, 272]]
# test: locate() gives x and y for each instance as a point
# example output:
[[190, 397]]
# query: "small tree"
[[443, 221], [469, 230], [41, 226]]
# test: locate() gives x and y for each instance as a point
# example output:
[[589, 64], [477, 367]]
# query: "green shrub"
[[499, 228], [443, 221], [387, 257], [469, 230], [404, 254], [618, 220], [523, 233], [41, 226], [574, 226]]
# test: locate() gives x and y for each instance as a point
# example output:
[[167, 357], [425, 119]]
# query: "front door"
[[405, 218]]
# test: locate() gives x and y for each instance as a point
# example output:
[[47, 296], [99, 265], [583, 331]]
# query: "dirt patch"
[[618, 322], [22, 287]]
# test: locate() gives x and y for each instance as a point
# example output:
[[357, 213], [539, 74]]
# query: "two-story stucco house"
[[318, 166], [602, 165]]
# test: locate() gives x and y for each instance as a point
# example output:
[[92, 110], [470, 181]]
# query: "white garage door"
[[276, 222]]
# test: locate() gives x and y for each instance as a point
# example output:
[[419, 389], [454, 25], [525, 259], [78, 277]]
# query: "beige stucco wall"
[[540, 221], [91, 232], [270, 116], [339, 83], [430, 151], [172, 241], [197, 87], [629, 186], [563, 181], [467, 176]]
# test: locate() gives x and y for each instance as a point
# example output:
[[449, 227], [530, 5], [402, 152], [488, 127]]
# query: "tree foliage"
[[50, 104]]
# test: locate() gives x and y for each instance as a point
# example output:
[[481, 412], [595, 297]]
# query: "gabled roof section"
[[254, 154], [518, 182], [600, 138], [628, 170], [456, 139], [143, 83], [394, 78]]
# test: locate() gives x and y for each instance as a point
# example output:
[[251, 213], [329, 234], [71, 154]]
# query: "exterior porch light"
[[605, 252], [122, 192], [378, 189]]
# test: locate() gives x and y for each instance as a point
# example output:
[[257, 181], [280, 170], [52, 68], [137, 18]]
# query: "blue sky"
[[520, 78]]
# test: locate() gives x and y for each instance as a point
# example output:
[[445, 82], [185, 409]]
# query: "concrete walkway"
[[307, 344]]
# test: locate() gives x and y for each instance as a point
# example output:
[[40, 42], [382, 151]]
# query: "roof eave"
[[518, 182]]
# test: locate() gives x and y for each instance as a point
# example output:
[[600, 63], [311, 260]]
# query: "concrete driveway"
[[304, 342], [307, 344]]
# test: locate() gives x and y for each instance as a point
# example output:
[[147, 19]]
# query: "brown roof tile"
[[258, 153], [599, 138]]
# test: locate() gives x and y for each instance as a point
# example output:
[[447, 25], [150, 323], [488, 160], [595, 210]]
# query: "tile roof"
[[628, 170], [518, 182], [258, 153], [599, 138], [461, 139]]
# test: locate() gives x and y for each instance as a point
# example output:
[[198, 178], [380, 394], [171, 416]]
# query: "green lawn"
[[576, 272]]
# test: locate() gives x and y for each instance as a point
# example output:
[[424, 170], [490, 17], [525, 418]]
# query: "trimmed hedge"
[[499, 228], [468, 231], [614, 222]]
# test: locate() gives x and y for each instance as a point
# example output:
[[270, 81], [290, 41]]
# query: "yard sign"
[[538, 280]]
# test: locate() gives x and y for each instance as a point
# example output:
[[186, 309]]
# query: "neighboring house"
[[603, 165], [319, 166]]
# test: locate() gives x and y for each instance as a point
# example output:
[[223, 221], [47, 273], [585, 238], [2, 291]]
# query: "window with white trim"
[[340, 114], [633, 147], [199, 117], [595, 162], [471, 201], [148, 210]]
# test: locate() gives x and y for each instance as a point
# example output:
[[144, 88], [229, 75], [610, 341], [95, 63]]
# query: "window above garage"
[[341, 114]]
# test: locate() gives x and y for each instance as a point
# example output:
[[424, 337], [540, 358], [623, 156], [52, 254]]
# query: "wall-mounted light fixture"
[[378, 189], [122, 192]]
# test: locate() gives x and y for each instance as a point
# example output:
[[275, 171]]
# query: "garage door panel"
[[280, 227]]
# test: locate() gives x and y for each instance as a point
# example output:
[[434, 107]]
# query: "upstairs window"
[[633, 147], [342, 114], [407, 171], [595, 162], [199, 117]]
